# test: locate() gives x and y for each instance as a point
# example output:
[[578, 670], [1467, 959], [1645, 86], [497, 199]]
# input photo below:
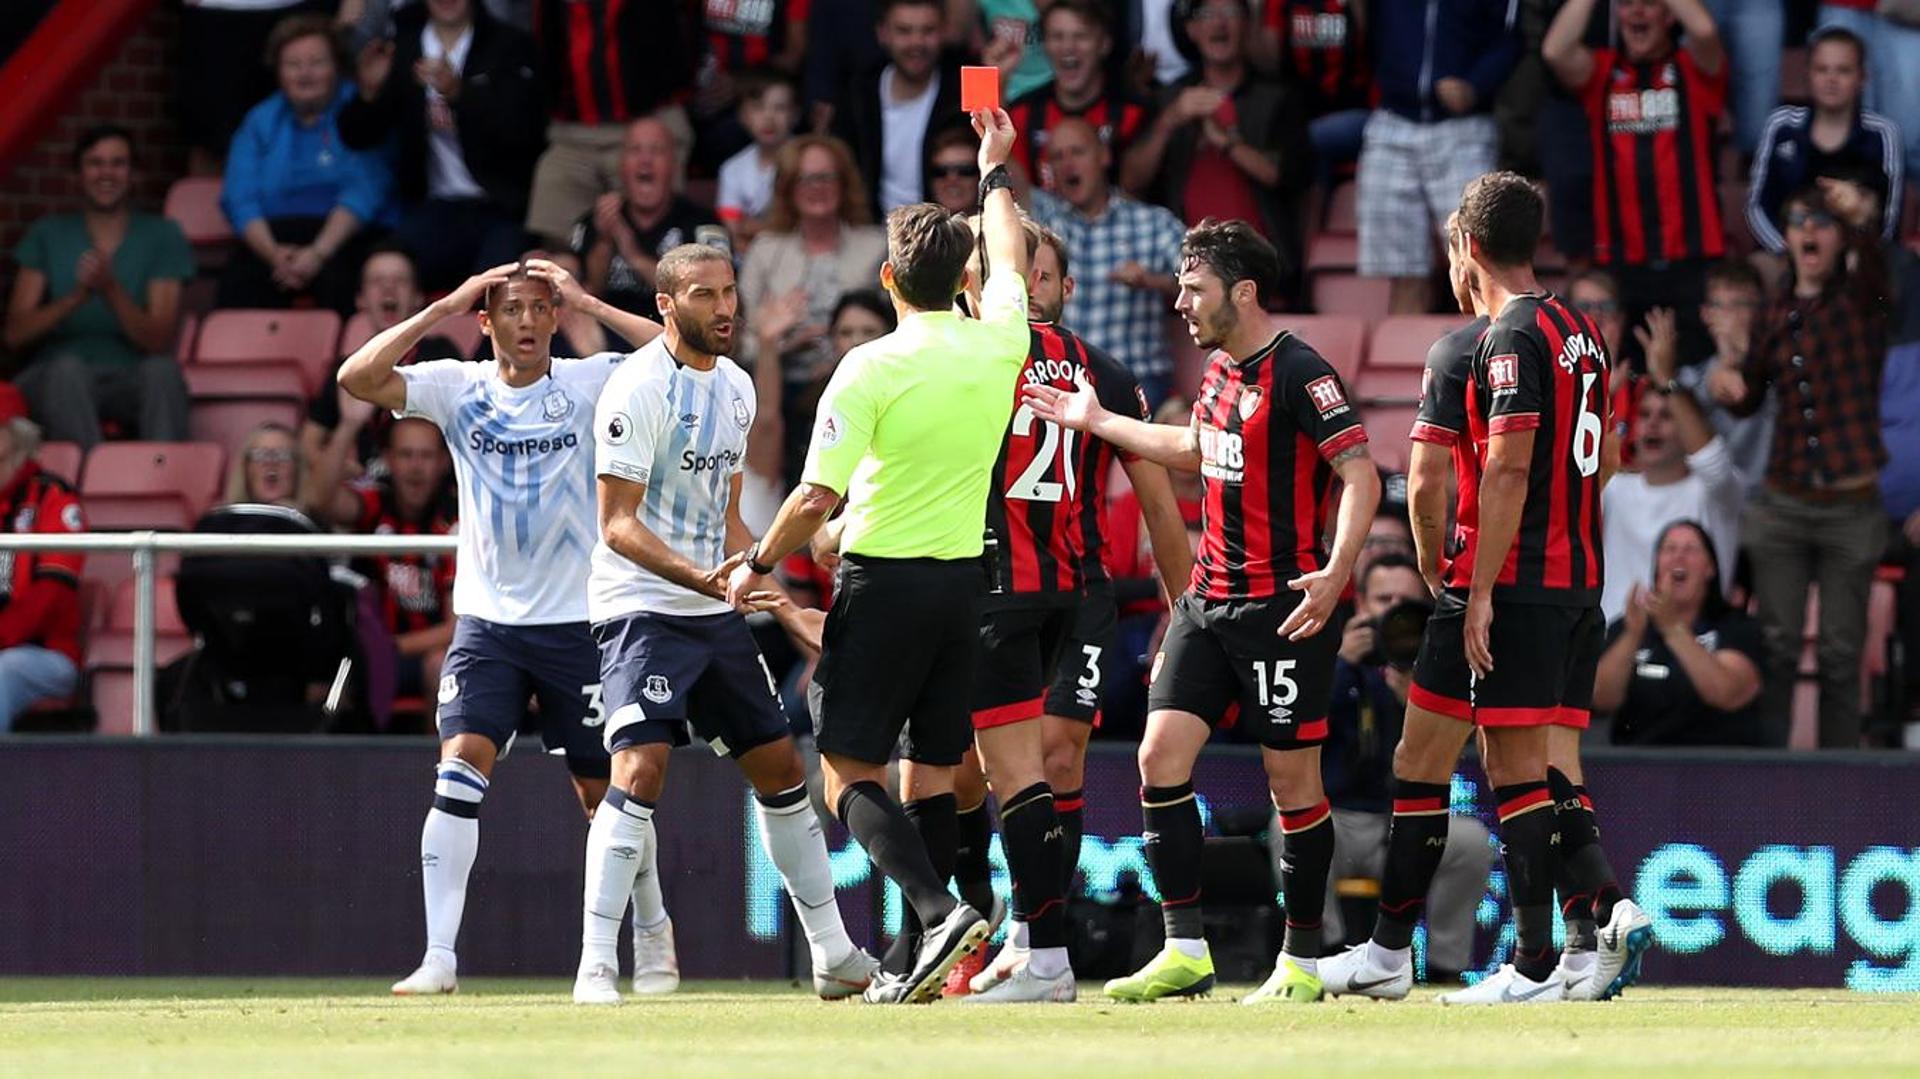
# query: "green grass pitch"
[[281, 1028]]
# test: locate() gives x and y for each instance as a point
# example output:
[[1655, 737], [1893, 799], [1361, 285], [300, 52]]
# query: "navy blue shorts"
[[492, 672], [664, 673]]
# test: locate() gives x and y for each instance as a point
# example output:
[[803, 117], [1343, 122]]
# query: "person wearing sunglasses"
[[267, 469], [953, 178]]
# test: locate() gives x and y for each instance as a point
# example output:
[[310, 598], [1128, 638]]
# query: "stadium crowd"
[[1743, 255]]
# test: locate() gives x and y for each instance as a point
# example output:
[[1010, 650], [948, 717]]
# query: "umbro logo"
[[624, 853], [690, 421], [1281, 713]]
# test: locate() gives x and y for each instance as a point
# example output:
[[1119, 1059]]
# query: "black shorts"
[[1225, 661], [1021, 640], [1544, 660], [662, 673], [1080, 674], [897, 653], [492, 670]]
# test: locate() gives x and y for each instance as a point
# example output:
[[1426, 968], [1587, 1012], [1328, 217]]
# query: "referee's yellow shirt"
[[911, 423]]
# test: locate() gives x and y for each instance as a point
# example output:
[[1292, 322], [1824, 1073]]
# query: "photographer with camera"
[[1370, 682]]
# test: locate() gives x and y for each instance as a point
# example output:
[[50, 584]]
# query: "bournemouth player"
[[1589, 896], [671, 434], [1049, 620], [1524, 588], [1271, 430], [521, 432]]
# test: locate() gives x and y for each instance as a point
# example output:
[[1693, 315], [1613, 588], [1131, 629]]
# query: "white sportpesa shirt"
[[682, 433], [524, 461]]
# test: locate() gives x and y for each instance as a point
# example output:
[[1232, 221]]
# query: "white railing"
[[144, 545]]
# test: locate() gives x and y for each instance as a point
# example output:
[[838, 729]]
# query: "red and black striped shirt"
[[611, 61], [1048, 513], [1654, 194], [1114, 117], [744, 33], [416, 590], [1269, 430], [1541, 366], [1325, 55]]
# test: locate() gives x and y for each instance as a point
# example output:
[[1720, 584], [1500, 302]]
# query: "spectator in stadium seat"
[[820, 242], [268, 470], [1322, 45], [746, 43], [769, 106], [1078, 39], [1436, 67], [953, 178], [40, 620], [1681, 666], [1893, 51], [217, 83], [1652, 108], [304, 205], [605, 66], [1820, 349], [1735, 299], [1228, 143], [1004, 34], [96, 305], [842, 44], [1835, 138], [1364, 718], [342, 435], [1682, 470], [458, 91], [621, 239], [412, 497], [889, 114], [1127, 253]]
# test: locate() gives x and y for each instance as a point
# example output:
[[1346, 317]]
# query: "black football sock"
[[1574, 821], [1415, 844], [1071, 807], [1173, 842], [889, 838], [1031, 833], [1527, 830], [1306, 857], [972, 872]]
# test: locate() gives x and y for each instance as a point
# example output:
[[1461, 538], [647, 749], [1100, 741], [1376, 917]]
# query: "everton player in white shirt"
[[671, 433], [521, 432]]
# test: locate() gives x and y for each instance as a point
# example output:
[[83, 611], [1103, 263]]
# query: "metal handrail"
[[144, 545]]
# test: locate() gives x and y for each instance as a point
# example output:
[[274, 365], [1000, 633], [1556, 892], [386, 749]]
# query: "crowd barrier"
[[192, 855]]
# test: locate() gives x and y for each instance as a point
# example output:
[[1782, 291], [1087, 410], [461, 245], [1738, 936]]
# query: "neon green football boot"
[[1288, 984], [1170, 974]]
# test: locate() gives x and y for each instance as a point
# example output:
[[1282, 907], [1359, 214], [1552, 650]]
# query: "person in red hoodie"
[[39, 591]]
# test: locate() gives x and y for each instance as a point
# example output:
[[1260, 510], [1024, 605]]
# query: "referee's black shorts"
[[897, 652]]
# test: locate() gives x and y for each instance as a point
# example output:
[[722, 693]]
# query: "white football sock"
[[1388, 958], [448, 841], [1307, 964], [1191, 947], [618, 842], [790, 833], [1047, 962], [649, 906], [1017, 936]]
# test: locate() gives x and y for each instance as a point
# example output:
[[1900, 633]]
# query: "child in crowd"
[[769, 105]]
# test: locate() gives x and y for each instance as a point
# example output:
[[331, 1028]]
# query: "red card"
[[979, 88]]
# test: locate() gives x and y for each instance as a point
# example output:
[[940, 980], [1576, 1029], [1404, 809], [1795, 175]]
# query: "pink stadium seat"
[[166, 485], [306, 338], [1388, 428], [165, 609], [227, 423], [1329, 252], [1403, 340], [1388, 385], [462, 330], [107, 571], [1351, 294], [112, 693], [1341, 217], [1340, 338], [189, 333], [62, 459], [193, 202]]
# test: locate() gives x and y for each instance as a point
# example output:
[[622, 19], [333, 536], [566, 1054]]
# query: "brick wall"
[[135, 89]]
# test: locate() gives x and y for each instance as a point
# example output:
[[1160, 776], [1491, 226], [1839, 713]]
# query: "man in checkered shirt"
[[1126, 255]]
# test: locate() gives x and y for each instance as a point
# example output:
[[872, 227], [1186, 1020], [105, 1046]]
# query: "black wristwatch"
[[993, 181], [754, 563]]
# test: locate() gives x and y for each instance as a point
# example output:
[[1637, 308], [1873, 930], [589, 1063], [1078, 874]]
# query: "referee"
[[908, 431]]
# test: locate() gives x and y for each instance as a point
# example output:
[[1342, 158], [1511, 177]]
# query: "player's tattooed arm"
[[1359, 498], [1427, 510], [1503, 496], [1166, 529], [369, 373]]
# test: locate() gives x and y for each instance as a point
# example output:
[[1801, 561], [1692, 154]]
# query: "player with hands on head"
[[1246, 634]]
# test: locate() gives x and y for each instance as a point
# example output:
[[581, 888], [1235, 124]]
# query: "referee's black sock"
[[972, 872], [1306, 857], [888, 837], [1415, 845], [1527, 835], [1071, 807], [1172, 836], [1031, 832], [1585, 859]]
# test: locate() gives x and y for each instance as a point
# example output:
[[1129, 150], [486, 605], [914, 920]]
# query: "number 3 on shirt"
[[1587, 429], [1029, 486]]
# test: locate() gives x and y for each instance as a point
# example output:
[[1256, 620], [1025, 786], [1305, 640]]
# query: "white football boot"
[[433, 977], [1360, 972], [1576, 973], [597, 983], [1624, 940], [1508, 986], [847, 978], [1023, 986], [656, 967]]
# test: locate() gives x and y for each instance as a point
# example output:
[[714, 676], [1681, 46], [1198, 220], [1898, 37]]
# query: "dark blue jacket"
[[1363, 725], [1788, 161], [1416, 43]]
